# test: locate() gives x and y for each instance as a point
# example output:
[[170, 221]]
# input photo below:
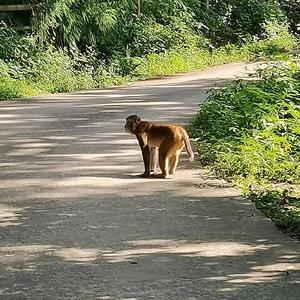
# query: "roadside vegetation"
[[248, 132], [78, 44]]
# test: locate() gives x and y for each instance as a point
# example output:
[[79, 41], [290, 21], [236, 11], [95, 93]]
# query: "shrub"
[[277, 40], [248, 131], [16, 88], [173, 48]]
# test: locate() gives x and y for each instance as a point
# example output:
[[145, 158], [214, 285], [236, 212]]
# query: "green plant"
[[248, 132], [16, 88], [291, 8], [167, 39]]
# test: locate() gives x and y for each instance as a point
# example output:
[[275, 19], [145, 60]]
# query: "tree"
[[138, 6]]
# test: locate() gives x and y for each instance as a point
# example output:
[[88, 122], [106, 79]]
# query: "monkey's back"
[[157, 133]]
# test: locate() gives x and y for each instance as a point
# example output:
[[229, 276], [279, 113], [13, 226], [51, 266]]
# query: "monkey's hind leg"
[[166, 151], [175, 157], [173, 163], [163, 164]]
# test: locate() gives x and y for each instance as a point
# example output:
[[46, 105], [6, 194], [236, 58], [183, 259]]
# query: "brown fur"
[[166, 141]]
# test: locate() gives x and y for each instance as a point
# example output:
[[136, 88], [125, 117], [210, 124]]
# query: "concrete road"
[[76, 222]]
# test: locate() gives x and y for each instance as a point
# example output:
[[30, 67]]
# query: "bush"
[[16, 88], [291, 9], [277, 40], [152, 37], [163, 50], [236, 21], [249, 131], [28, 69]]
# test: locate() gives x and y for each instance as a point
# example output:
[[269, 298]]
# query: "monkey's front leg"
[[146, 157]]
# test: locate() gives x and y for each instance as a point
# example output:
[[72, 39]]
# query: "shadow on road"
[[96, 253]]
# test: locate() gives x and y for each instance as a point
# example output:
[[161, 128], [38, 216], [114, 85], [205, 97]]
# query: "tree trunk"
[[206, 4], [138, 9]]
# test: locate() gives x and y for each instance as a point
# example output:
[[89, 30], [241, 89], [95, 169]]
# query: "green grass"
[[50, 71], [184, 60], [16, 88], [249, 133]]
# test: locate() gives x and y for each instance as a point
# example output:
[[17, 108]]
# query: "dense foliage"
[[114, 28], [28, 69], [291, 8], [84, 44], [249, 132]]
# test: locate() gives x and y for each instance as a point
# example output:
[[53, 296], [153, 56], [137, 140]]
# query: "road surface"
[[77, 223]]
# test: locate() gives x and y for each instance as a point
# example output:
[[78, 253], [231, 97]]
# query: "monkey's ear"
[[135, 118]]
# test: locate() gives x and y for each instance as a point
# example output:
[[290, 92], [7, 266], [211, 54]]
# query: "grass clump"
[[248, 132]]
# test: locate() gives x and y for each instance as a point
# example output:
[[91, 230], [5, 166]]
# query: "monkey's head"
[[131, 123]]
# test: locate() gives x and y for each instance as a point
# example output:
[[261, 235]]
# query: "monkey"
[[159, 142]]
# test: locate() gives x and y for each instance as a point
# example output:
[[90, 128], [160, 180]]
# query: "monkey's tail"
[[188, 145]]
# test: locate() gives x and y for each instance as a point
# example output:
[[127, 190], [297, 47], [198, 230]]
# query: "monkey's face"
[[131, 123]]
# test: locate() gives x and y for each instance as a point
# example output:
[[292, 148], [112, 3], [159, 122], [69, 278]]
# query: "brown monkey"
[[166, 141]]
